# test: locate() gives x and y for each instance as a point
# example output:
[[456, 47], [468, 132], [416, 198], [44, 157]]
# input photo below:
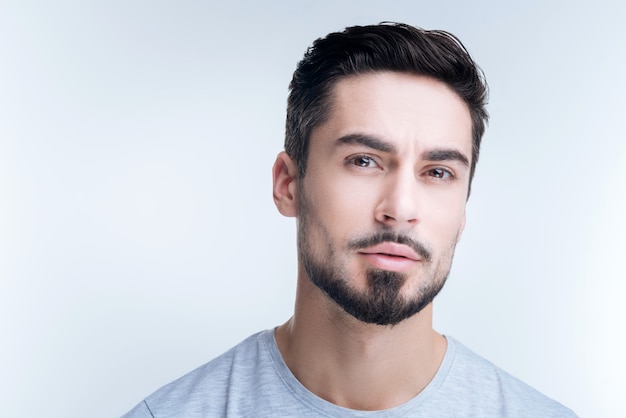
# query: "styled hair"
[[385, 47]]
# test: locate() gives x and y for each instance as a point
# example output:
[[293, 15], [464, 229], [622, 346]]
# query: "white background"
[[138, 237]]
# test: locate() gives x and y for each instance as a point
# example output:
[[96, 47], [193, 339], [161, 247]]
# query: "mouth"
[[393, 249], [391, 256]]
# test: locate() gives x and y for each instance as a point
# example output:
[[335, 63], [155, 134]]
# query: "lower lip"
[[389, 262]]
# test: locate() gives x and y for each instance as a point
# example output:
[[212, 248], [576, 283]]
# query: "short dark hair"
[[385, 47]]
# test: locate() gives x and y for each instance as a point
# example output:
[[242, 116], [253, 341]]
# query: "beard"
[[382, 302]]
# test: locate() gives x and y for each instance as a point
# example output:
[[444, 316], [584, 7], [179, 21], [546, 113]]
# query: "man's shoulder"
[[217, 371], [478, 379], [204, 391]]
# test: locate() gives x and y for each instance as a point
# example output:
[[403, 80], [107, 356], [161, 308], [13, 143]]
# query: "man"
[[384, 125]]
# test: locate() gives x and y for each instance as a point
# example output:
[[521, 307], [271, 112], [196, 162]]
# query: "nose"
[[398, 204]]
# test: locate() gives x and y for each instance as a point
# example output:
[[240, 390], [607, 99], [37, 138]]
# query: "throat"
[[371, 368]]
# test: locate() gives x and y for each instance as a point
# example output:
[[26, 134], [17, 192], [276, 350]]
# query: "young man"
[[383, 132]]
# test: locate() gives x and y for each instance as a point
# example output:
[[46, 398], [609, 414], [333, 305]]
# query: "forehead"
[[409, 110]]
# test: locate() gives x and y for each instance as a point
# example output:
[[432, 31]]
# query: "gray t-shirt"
[[252, 380]]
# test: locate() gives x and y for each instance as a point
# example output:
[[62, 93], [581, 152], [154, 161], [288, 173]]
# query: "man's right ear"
[[285, 187]]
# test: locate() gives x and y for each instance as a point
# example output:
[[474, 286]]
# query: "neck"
[[356, 365]]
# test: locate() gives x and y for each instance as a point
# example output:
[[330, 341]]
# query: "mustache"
[[388, 236]]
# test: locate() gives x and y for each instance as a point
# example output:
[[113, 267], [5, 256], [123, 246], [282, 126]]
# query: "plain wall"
[[138, 237]]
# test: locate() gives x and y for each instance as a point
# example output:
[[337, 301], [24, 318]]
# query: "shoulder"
[[205, 390], [495, 389]]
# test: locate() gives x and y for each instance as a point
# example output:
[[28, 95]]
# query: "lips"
[[392, 249], [391, 257]]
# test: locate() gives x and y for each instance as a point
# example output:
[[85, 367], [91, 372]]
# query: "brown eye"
[[440, 173], [363, 161]]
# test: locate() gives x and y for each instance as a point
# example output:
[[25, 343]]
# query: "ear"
[[285, 177]]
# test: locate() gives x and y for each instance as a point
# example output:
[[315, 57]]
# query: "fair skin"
[[393, 156]]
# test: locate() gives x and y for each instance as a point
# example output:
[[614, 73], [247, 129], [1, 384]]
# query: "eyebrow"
[[368, 141], [445, 155]]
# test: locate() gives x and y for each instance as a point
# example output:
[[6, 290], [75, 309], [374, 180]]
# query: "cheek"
[[341, 203], [445, 219]]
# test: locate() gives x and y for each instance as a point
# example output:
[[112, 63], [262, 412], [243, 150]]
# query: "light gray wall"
[[138, 238]]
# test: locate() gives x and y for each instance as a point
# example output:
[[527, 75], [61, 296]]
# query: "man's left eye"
[[440, 173]]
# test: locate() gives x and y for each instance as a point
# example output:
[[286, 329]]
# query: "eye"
[[440, 173], [362, 161]]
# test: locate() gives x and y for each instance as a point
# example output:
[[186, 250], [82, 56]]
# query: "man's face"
[[382, 204]]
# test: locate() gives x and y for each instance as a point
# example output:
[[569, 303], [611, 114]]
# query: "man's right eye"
[[362, 161]]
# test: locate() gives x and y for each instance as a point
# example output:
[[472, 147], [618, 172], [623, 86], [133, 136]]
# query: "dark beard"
[[382, 304]]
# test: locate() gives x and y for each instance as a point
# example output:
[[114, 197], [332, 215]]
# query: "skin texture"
[[379, 210]]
